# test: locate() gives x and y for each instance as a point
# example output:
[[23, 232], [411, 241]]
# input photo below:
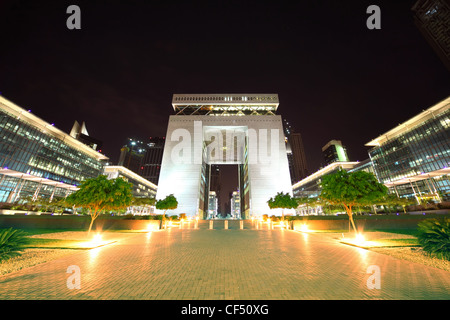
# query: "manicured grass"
[[42, 243], [32, 232], [396, 243], [411, 232], [54, 243]]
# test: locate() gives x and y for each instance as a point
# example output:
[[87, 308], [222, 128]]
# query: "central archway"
[[238, 129], [225, 145]]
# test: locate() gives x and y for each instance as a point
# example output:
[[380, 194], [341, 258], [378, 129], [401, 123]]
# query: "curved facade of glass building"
[[414, 158], [37, 159]]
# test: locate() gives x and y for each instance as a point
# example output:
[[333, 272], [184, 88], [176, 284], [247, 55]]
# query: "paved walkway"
[[227, 264]]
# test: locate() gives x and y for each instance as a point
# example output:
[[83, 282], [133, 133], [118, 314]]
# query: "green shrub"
[[12, 242], [434, 237]]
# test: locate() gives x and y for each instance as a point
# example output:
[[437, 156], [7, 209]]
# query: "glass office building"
[[309, 187], [141, 188], [413, 158], [39, 160]]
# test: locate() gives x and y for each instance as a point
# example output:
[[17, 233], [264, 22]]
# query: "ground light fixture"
[[359, 240], [304, 228], [96, 241], [152, 227]]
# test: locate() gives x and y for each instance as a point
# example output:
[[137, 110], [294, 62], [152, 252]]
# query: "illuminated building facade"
[[141, 188], [334, 151], [413, 159], [309, 187], [235, 205], [224, 129], [39, 160], [213, 205]]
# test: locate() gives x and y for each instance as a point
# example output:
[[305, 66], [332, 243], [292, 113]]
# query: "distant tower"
[[132, 155], [80, 133], [432, 18], [151, 162], [296, 155], [334, 151]]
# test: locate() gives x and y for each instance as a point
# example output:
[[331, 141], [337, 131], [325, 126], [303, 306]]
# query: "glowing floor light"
[[304, 228]]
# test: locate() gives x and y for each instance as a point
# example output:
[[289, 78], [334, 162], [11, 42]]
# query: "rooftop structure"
[[225, 104]]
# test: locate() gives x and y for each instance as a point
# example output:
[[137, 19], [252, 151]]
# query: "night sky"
[[335, 78]]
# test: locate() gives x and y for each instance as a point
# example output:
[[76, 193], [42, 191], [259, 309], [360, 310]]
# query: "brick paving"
[[219, 264]]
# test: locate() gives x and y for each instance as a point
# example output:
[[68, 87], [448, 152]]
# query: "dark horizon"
[[335, 78]]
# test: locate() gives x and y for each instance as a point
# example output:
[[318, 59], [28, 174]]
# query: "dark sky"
[[335, 78]]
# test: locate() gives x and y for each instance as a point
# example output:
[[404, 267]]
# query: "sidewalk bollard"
[[226, 224], [211, 224], [196, 224], [241, 224]]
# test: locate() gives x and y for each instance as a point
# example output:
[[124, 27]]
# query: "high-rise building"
[[151, 162], [432, 18], [235, 205], [143, 158], [413, 159], [39, 160], [300, 167], [334, 151], [132, 155], [296, 155], [215, 177], [213, 205]]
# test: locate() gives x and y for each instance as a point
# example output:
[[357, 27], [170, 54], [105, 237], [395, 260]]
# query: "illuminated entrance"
[[224, 146]]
